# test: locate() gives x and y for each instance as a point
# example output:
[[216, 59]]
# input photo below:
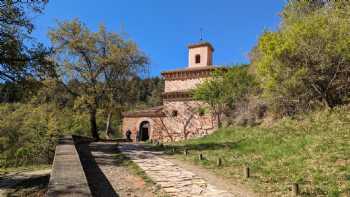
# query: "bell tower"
[[200, 55]]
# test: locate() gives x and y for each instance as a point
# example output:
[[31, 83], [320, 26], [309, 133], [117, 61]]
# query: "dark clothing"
[[128, 135]]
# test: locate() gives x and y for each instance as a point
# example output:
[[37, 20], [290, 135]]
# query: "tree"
[[121, 61], [157, 87], [19, 61], [225, 88], [298, 9], [101, 62], [307, 61]]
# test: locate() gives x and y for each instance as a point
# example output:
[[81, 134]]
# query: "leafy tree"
[[100, 61], [212, 92], [298, 9], [155, 98], [21, 91], [55, 93], [18, 60], [225, 88], [121, 61], [307, 60], [150, 91]]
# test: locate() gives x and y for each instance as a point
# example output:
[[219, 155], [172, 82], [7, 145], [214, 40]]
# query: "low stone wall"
[[67, 175]]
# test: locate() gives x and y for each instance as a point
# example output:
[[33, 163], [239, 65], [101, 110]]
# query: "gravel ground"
[[31, 184], [106, 174]]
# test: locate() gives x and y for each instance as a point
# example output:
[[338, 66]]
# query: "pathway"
[[174, 180], [26, 183], [106, 173]]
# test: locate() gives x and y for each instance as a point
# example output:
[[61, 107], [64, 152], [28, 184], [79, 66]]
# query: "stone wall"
[[133, 124], [67, 176], [188, 123], [182, 85]]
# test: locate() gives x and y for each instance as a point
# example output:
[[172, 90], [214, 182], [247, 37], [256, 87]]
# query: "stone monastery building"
[[180, 117]]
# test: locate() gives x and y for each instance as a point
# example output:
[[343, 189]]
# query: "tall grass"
[[313, 151]]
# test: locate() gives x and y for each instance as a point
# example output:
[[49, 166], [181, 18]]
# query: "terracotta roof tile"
[[150, 112], [189, 69]]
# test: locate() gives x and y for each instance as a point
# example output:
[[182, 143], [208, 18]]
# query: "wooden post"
[[246, 172], [185, 152], [219, 162], [200, 156], [295, 189], [173, 150]]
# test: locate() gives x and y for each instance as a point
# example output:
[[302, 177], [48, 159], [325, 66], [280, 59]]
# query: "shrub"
[[28, 133], [306, 63]]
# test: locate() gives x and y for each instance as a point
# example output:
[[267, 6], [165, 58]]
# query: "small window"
[[198, 59], [174, 113], [201, 111]]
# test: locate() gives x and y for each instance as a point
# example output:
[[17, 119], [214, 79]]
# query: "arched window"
[[198, 59]]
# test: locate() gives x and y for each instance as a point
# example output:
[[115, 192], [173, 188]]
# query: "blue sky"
[[164, 28]]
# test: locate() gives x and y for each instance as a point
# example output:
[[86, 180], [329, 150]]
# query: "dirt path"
[[108, 175], [32, 183], [175, 180]]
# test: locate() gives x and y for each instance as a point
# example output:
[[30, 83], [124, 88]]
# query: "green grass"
[[314, 152]]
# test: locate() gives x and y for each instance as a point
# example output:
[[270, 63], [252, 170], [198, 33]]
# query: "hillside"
[[312, 151]]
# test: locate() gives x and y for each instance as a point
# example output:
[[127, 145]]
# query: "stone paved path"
[[173, 179]]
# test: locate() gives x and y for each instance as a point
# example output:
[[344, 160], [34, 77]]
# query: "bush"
[[305, 64], [28, 133]]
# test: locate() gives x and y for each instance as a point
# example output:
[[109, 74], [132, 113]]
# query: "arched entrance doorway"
[[144, 130]]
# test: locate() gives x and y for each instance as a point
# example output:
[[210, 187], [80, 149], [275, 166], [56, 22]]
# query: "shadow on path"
[[15, 183], [98, 183]]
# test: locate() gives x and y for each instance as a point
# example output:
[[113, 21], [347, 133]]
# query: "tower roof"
[[201, 44]]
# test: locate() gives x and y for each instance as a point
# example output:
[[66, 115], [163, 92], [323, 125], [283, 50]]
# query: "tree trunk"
[[219, 119], [326, 103], [108, 124], [93, 124]]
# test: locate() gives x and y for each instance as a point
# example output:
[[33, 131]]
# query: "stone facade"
[[182, 84], [180, 117], [191, 120]]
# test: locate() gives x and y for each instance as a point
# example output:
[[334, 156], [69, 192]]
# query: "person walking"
[[128, 135]]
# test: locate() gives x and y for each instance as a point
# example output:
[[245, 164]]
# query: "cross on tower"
[[201, 33]]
